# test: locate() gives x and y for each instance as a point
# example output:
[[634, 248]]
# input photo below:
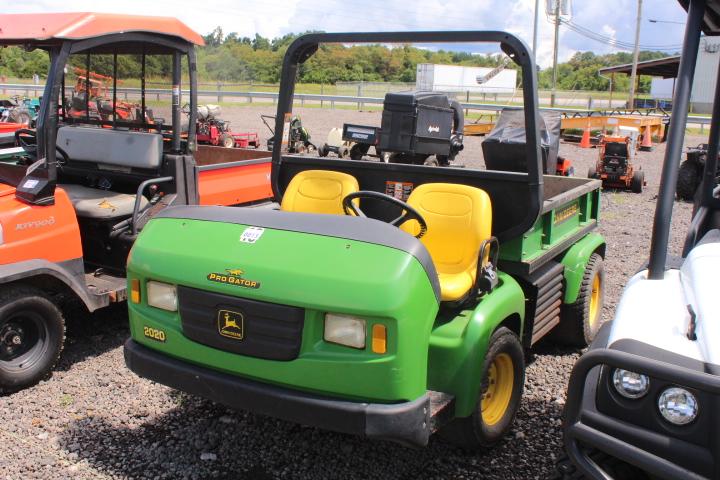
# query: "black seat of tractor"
[[107, 150]]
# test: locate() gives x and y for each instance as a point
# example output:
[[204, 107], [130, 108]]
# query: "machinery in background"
[[298, 136], [690, 173], [420, 128], [504, 147], [20, 110], [212, 130], [616, 163], [91, 99]]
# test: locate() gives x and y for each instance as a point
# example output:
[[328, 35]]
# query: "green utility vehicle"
[[387, 300]]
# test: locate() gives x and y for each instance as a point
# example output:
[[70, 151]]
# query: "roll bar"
[[305, 46], [673, 152]]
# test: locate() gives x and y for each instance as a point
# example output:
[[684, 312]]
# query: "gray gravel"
[[95, 419]]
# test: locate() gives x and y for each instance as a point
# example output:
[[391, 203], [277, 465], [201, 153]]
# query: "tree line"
[[234, 59]]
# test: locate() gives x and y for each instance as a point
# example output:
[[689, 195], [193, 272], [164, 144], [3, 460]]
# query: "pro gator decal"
[[233, 276]]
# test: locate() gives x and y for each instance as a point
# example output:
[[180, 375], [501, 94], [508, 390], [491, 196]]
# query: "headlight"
[[344, 330], [678, 406], [630, 384], [162, 295]]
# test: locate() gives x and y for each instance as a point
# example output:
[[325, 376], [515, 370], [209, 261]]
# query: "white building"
[[454, 78]]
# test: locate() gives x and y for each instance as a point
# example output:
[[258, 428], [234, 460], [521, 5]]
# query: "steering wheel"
[[22, 136], [409, 213]]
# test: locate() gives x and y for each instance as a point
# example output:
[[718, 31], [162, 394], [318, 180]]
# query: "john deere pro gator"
[[386, 300]]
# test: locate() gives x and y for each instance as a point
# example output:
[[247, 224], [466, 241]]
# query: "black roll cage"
[[130, 42], [706, 201], [305, 46]]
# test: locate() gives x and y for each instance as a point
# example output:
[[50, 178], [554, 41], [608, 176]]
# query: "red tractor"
[[212, 130]]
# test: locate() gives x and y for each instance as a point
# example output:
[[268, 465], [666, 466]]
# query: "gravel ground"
[[95, 419]]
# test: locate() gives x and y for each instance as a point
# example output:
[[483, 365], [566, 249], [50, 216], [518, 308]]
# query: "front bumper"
[[407, 423], [655, 451]]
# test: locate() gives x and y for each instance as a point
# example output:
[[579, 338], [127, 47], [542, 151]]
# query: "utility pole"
[[535, 30], [555, 52], [636, 54]]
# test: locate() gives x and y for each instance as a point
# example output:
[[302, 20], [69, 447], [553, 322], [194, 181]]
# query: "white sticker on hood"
[[251, 234]]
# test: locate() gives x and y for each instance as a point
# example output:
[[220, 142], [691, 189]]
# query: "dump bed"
[[570, 211], [232, 176]]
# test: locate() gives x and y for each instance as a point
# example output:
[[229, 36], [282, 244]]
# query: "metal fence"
[[331, 101]]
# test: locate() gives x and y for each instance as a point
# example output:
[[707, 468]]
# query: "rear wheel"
[[227, 141], [638, 181], [688, 180], [580, 321], [503, 379], [32, 333], [323, 150]]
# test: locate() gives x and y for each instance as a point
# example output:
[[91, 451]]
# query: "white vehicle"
[[643, 402]]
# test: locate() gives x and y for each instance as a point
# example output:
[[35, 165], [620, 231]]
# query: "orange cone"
[[585, 141], [647, 145]]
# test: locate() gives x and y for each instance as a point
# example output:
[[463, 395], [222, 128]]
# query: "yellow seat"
[[459, 220], [318, 191]]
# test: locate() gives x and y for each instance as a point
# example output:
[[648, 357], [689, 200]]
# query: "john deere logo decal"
[[233, 276], [230, 324]]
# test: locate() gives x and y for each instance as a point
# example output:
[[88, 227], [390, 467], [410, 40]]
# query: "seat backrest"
[[318, 191], [111, 147], [459, 219]]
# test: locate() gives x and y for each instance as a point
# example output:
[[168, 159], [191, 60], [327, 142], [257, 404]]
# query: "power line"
[[613, 42]]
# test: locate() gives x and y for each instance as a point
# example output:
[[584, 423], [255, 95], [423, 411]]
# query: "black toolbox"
[[416, 123]]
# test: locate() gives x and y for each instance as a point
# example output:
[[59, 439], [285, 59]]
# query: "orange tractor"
[[616, 163], [92, 98]]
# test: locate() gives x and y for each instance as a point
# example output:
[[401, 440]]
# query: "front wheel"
[[227, 140], [638, 181], [503, 379], [32, 333], [581, 320]]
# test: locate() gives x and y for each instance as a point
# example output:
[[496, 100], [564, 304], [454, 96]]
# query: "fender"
[[575, 260], [458, 347], [70, 272]]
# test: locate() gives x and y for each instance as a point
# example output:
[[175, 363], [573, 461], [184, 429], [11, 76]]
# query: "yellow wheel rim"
[[496, 397], [595, 301]]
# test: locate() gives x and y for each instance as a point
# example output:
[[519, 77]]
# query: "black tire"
[[323, 150], [474, 432], [227, 141], [592, 172], [356, 152], [579, 322], [638, 181], [688, 180], [617, 469], [29, 317]]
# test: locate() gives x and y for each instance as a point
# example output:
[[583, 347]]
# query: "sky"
[[273, 18]]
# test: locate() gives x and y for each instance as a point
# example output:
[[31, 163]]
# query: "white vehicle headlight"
[[678, 406], [630, 384], [344, 330], [162, 295]]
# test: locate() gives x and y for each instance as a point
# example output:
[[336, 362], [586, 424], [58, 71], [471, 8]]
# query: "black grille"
[[268, 330]]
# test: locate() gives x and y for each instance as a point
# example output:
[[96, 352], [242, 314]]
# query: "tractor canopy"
[[45, 29]]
